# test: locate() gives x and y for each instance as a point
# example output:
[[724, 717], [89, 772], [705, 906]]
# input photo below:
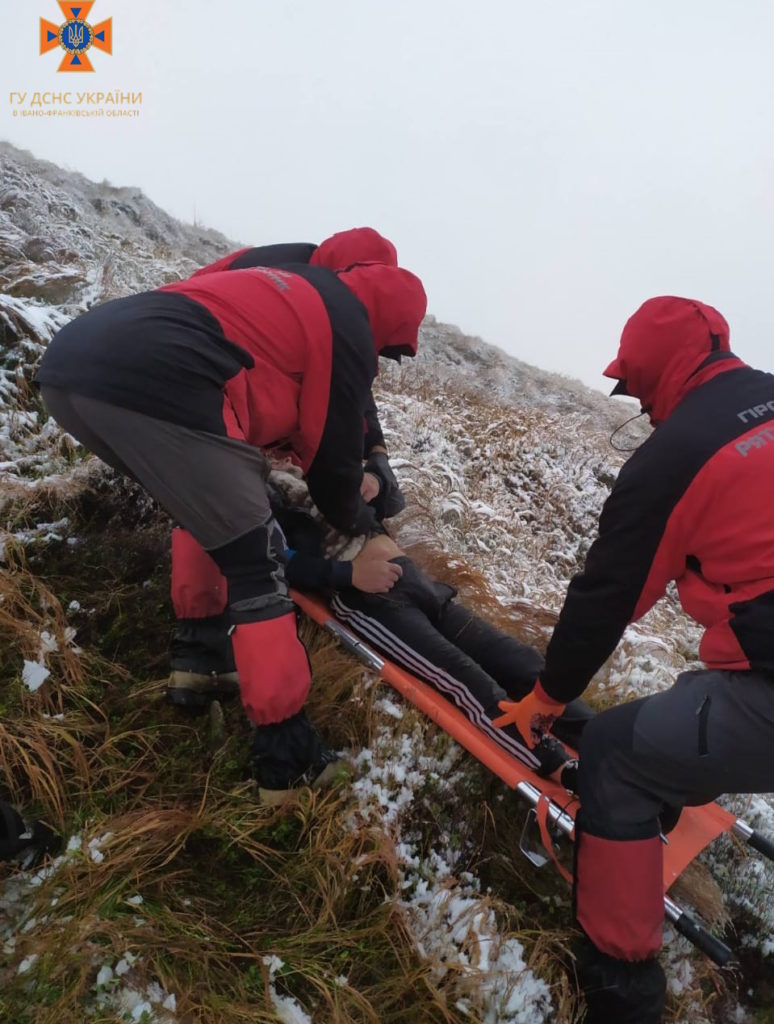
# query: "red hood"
[[358, 245], [396, 304], [663, 345]]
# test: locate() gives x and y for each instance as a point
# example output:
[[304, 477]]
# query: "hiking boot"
[[552, 756], [203, 668], [627, 992], [555, 762], [289, 755]]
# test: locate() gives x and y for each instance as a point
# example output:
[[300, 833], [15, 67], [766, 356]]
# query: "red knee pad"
[[619, 899], [199, 589], [273, 667]]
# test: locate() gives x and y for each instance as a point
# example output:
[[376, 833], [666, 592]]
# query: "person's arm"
[[637, 553], [374, 436], [390, 500], [315, 572], [336, 473], [377, 575]]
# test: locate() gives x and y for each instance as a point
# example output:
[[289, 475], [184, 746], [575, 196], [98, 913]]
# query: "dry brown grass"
[[697, 888], [528, 622]]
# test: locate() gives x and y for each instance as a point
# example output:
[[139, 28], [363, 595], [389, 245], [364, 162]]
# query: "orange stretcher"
[[553, 807]]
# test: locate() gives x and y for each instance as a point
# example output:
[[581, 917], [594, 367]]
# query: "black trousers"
[[420, 626]]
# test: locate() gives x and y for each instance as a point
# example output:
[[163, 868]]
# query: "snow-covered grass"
[[453, 925]]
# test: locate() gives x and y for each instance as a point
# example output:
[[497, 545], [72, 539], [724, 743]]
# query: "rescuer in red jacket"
[[202, 659], [339, 252], [183, 387], [693, 505]]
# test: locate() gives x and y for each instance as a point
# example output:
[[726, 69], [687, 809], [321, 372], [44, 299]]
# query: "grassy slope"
[[226, 884]]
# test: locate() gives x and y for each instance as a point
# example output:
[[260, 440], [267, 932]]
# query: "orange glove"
[[533, 715]]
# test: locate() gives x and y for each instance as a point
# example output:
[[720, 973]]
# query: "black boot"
[[25, 843], [554, 760], [203, 668], [289, 755], [617, 990]]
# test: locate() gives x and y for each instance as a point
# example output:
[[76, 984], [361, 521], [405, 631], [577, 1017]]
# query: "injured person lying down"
[[385, 597]]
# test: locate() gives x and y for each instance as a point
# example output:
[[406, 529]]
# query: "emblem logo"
[[76, 36]]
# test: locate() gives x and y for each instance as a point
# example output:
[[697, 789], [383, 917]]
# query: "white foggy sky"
[[544, 167]]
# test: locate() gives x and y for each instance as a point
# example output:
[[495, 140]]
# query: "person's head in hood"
[[358, 245], [396, 304], [663, 351]]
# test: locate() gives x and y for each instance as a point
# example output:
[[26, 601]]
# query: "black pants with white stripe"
[[420, 626]]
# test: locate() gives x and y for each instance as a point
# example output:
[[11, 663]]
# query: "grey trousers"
[[712, 732], [213, 486]]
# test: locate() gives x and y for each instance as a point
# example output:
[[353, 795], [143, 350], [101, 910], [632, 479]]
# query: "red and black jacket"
[[342, 250], [693, 505]]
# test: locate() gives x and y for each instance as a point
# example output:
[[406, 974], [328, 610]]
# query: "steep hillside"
[[401, 896]]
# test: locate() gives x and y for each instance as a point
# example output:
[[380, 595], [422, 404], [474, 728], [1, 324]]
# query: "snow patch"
[[34, 675]]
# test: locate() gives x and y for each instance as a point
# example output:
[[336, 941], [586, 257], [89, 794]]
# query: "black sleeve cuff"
[[340, 574], [307, 572], [313, 572]]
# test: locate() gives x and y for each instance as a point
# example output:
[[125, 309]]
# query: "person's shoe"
[[203, 668], [289, 755], [556, 763], [620, 991], [195, 691]]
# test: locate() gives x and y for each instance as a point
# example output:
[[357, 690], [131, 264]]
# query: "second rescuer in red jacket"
[[182, 387], [202, 664]]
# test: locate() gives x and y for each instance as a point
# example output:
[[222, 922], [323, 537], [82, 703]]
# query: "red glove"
[[533, 715]]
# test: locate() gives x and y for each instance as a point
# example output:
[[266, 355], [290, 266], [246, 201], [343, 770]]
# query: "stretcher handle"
[[697, 934], [762, 844], [758, 842]]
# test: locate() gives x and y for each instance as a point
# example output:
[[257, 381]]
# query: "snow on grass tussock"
[[453, 925], [35, 672], [287, 1009], [120, 991], [34, 675], [119, 987], [19, 887]]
